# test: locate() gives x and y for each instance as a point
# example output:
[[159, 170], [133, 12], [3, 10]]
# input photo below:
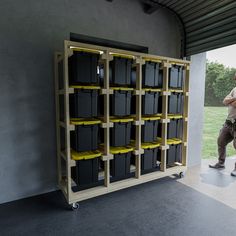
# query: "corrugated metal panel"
[[208, 24]]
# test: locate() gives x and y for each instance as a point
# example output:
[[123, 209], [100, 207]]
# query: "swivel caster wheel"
[[181, 175], [74, 206]]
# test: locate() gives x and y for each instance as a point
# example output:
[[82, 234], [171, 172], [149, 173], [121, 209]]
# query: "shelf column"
[[185, 116], [67, 53], [165, 95]]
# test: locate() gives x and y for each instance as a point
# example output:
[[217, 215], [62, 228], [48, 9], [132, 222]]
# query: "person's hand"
[[233, 104]]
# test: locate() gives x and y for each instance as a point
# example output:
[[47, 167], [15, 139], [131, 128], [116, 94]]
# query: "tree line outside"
[[219, 83]]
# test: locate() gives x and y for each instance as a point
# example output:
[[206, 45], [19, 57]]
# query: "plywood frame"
[[106, 55]]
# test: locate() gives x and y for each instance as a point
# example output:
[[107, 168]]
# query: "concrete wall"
[[196, 107], [30, 33]]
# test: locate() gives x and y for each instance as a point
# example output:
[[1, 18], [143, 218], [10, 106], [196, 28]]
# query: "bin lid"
[[174, 141], [122, 88], [127, 56], [94, 87], [150, 145], [82, 121], [151, 90], [157, 117], [121, 120], [121, 150], [173, 116], [176, 90], [77, 156]]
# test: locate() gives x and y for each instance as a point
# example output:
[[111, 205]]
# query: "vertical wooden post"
[[185, 116], [67, 119], [106, 58], [164, 114], [138, 118]]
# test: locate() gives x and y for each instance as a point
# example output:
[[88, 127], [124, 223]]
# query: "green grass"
[[214, 118]]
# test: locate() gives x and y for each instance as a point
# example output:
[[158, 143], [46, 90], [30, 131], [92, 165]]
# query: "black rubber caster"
[[74, 206], [181, 175]]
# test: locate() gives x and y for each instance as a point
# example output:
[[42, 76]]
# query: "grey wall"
[[30, 33], [196, 107]]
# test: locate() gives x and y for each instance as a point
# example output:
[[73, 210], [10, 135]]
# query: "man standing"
[[228, 132]]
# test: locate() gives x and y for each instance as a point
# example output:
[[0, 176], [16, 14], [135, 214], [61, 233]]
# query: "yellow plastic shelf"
[[122, 88], [121, 120], [174, 141], [82, 121], [120, 150], [176, 90], [122, 55], [157, 117], [78, 49], [151, 90], [173, 116], [77, 156], [92, 87], [150, 145]]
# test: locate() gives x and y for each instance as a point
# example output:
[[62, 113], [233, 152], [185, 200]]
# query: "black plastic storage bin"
[[176, 77], [150, 129], [120, 72], [174, 154], [121, 132], [120, 102], [151, 76], [150, 102], [149, 158], [175, 128], [85, 173], [85, 136], [83, 68], [84, 103], [175, 103], [120, 165]]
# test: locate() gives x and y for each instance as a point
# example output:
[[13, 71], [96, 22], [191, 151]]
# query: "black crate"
[[149, 160], [84, 103], [120, 103], [120, 71], [174, 154], [175, 128], [85, 138], [176, 77], [120, 134], [120, 166], [150, 131], [150, 75], [175, 103], [83, 68], [150, 103]]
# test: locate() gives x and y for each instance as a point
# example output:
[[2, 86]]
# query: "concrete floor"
[[203, 203], [219, 185]]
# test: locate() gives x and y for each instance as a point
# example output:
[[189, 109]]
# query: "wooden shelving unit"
[[64, 127]]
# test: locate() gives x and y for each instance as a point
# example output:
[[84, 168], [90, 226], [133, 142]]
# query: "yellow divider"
[[92, 87], [121, 120], [157, 117], [151, 90], [176, 90], [77, 156], [82, 121], [152, 60], [174, 141], [120, 150], [173, 116], [150, 145], [122, 88]]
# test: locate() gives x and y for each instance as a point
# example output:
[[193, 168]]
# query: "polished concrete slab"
[[217, 184], [169, 206]]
